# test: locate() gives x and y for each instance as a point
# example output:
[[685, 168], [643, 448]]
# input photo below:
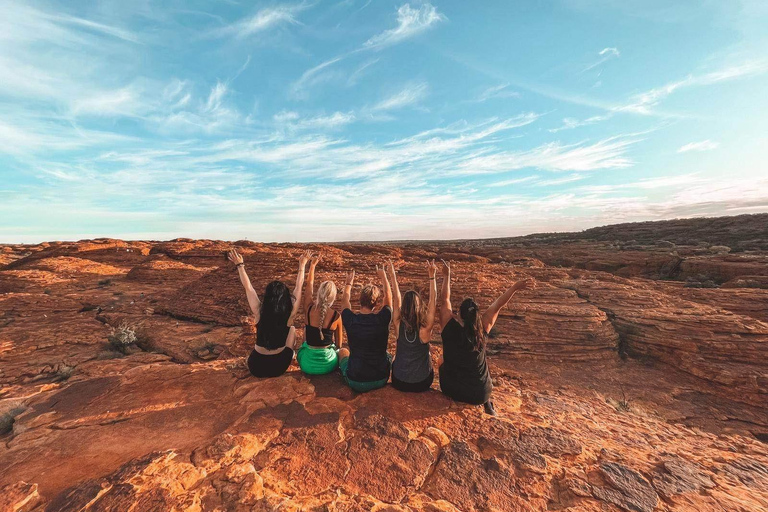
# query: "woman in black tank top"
[[464, 374], [275, 334]]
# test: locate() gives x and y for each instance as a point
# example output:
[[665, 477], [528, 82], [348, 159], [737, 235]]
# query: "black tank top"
[[272, 340], [317, 337]]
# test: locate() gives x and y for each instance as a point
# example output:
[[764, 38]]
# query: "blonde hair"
[[369, 296], [326, 295]]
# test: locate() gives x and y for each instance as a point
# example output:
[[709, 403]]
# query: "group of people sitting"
[[364, 362]]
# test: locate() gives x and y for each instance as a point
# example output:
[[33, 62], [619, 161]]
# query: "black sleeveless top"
[[464, 374], [317, 337], [272, 340]]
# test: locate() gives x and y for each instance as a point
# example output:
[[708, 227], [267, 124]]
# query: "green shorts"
[[362, 387], [317, 361]]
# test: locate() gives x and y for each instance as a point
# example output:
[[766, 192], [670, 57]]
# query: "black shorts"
[[274, 365], [467, 390], [413, 387]]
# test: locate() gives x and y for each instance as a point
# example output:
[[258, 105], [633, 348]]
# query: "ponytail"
[[326, 295], [473, 324]]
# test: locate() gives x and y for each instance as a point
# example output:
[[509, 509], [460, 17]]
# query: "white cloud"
[[645, 102], [605, 55], [704, 145], [126, 101], [292, 121], [498, 91], [410, 22], [569, 123], [558, 181], [263, 20], [217, 94], [411, 94], [312, 77], [605, 154]]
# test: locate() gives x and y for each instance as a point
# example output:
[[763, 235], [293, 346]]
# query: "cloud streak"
[[409, 95], [704, 145], [264, 20], [410, 22]]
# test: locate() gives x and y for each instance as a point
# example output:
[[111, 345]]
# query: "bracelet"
[[432, 278], [240, 265]]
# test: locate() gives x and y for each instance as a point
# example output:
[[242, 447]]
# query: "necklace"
[[416, 335]]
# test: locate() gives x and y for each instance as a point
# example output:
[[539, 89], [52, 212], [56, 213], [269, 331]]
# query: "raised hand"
[[431, 268], [304, 258], [380, 272], [391, 267], [446, 269], [234, 257], [526, 284], [350, 278], [315, 260]]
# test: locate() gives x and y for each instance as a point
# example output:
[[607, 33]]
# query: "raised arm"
[[385, 286], [492, 313], [446, 311], [345, 298], [250, 293], [397, 299], [431, 305], [309, 288], [297, 289]]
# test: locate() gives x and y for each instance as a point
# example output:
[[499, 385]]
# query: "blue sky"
[[362, 120]]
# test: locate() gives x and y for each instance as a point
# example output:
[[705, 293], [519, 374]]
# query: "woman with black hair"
[[412, 368], [464, 372], [275, 333]]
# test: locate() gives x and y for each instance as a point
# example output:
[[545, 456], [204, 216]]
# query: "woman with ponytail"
[[275, 333], [412, 368], [464, 372], [319, 354]]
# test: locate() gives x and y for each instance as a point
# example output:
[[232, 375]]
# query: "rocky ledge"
[[623, 382]]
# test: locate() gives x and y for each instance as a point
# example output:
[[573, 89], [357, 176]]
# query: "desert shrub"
[[625, 404], [105, 282], [122, 337]]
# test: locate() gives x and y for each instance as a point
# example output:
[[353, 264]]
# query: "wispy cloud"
[[569, 123], [293, 121], [497, 91], [410, 22], [605, 55], [312, 77], [704, 145], [263, 20], [645, 102], [605, 154], [411, 94]]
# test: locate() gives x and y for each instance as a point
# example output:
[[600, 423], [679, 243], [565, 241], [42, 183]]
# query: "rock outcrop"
[[622, 382]]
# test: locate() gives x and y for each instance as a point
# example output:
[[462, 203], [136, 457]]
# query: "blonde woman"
[[319, 354]]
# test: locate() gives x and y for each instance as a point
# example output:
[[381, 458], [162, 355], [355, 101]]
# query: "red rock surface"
[[615, 390]]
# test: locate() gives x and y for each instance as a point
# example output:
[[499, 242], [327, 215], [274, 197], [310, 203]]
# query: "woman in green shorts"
[[318, 354]]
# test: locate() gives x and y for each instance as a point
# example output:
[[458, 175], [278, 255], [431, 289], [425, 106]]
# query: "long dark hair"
[[473, 323], [276, 308], [411, 311]]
